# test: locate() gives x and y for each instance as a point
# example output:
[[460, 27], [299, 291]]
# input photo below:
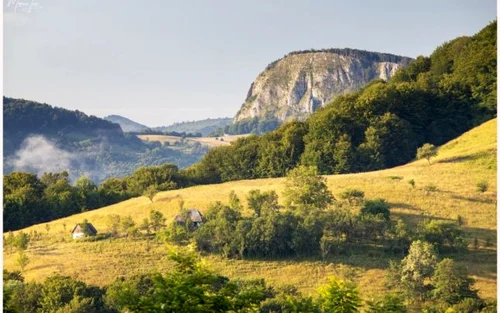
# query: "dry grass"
[[460, 165], [206, 141]]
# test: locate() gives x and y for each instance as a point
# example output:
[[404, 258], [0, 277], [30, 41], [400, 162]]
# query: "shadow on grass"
[[414, 219], [461, 158], [364, 256], [477, 200], [401, 205], [41, 250], [479, 262], [168, 199], [39, 267], [482, 233]]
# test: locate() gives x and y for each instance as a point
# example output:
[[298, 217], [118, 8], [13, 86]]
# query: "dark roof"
[[193, 214], [79, 228]]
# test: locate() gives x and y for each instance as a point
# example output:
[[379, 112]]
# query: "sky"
[[159, 61]]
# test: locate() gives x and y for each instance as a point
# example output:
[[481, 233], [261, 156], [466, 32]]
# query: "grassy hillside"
[[206, 141], [460, 165]]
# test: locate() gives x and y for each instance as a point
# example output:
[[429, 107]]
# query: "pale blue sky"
[[159, 61]]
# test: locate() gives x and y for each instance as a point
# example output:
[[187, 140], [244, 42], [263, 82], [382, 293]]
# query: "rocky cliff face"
[[301, 82]]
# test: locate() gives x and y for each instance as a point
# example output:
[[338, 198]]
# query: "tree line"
[[29, 199]]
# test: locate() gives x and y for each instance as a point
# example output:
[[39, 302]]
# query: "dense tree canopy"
[[433, 100]]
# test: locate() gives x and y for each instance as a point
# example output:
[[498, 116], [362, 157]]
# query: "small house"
[[79, 231], [194, 215]]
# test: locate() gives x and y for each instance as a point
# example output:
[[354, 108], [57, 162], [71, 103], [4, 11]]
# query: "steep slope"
[[126, 124], [471, 157], [301, 82]]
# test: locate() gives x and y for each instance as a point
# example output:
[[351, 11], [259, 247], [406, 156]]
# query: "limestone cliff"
[[301, 82]]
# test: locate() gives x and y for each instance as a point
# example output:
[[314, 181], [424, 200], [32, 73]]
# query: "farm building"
[[79, 231], [195, 216]]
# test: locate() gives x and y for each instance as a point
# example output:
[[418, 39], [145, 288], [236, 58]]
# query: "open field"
[[206, 141], [460, 165]]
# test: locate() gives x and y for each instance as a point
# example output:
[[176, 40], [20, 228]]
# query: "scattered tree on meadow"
[[22, 260], [304, 187], [427, 151], [150, 192], [157, 220], [113, 223], [128, 226]]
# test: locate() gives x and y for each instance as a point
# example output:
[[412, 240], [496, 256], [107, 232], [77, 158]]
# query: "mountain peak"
[[302, 81]]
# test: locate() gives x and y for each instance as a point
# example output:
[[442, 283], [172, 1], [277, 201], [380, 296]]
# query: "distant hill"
[[301, 82], [40, 138], [204, 127], [126, 124]]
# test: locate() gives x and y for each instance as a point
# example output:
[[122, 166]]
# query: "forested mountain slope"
[[434, 99], [40, 138]]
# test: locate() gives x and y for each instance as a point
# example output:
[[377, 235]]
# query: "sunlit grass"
[[460, 165], [206, 141]]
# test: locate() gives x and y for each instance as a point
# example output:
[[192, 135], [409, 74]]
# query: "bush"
[[482, 186], [412, 183], [427, 151], [392, 303], [376, 207], [430, 188], [339, 296], [353, 196], [174, 233], [442, 234]]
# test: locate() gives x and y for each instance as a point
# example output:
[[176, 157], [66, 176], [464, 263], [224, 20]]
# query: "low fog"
[[39, 155]]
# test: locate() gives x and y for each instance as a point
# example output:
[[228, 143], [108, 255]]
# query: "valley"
[[455, 172], [346, 176]]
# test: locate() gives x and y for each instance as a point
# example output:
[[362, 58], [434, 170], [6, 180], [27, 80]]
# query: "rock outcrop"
[[301, 82]]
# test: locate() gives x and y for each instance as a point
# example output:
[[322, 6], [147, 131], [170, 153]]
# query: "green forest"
[[314, 223], [433, 100]]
